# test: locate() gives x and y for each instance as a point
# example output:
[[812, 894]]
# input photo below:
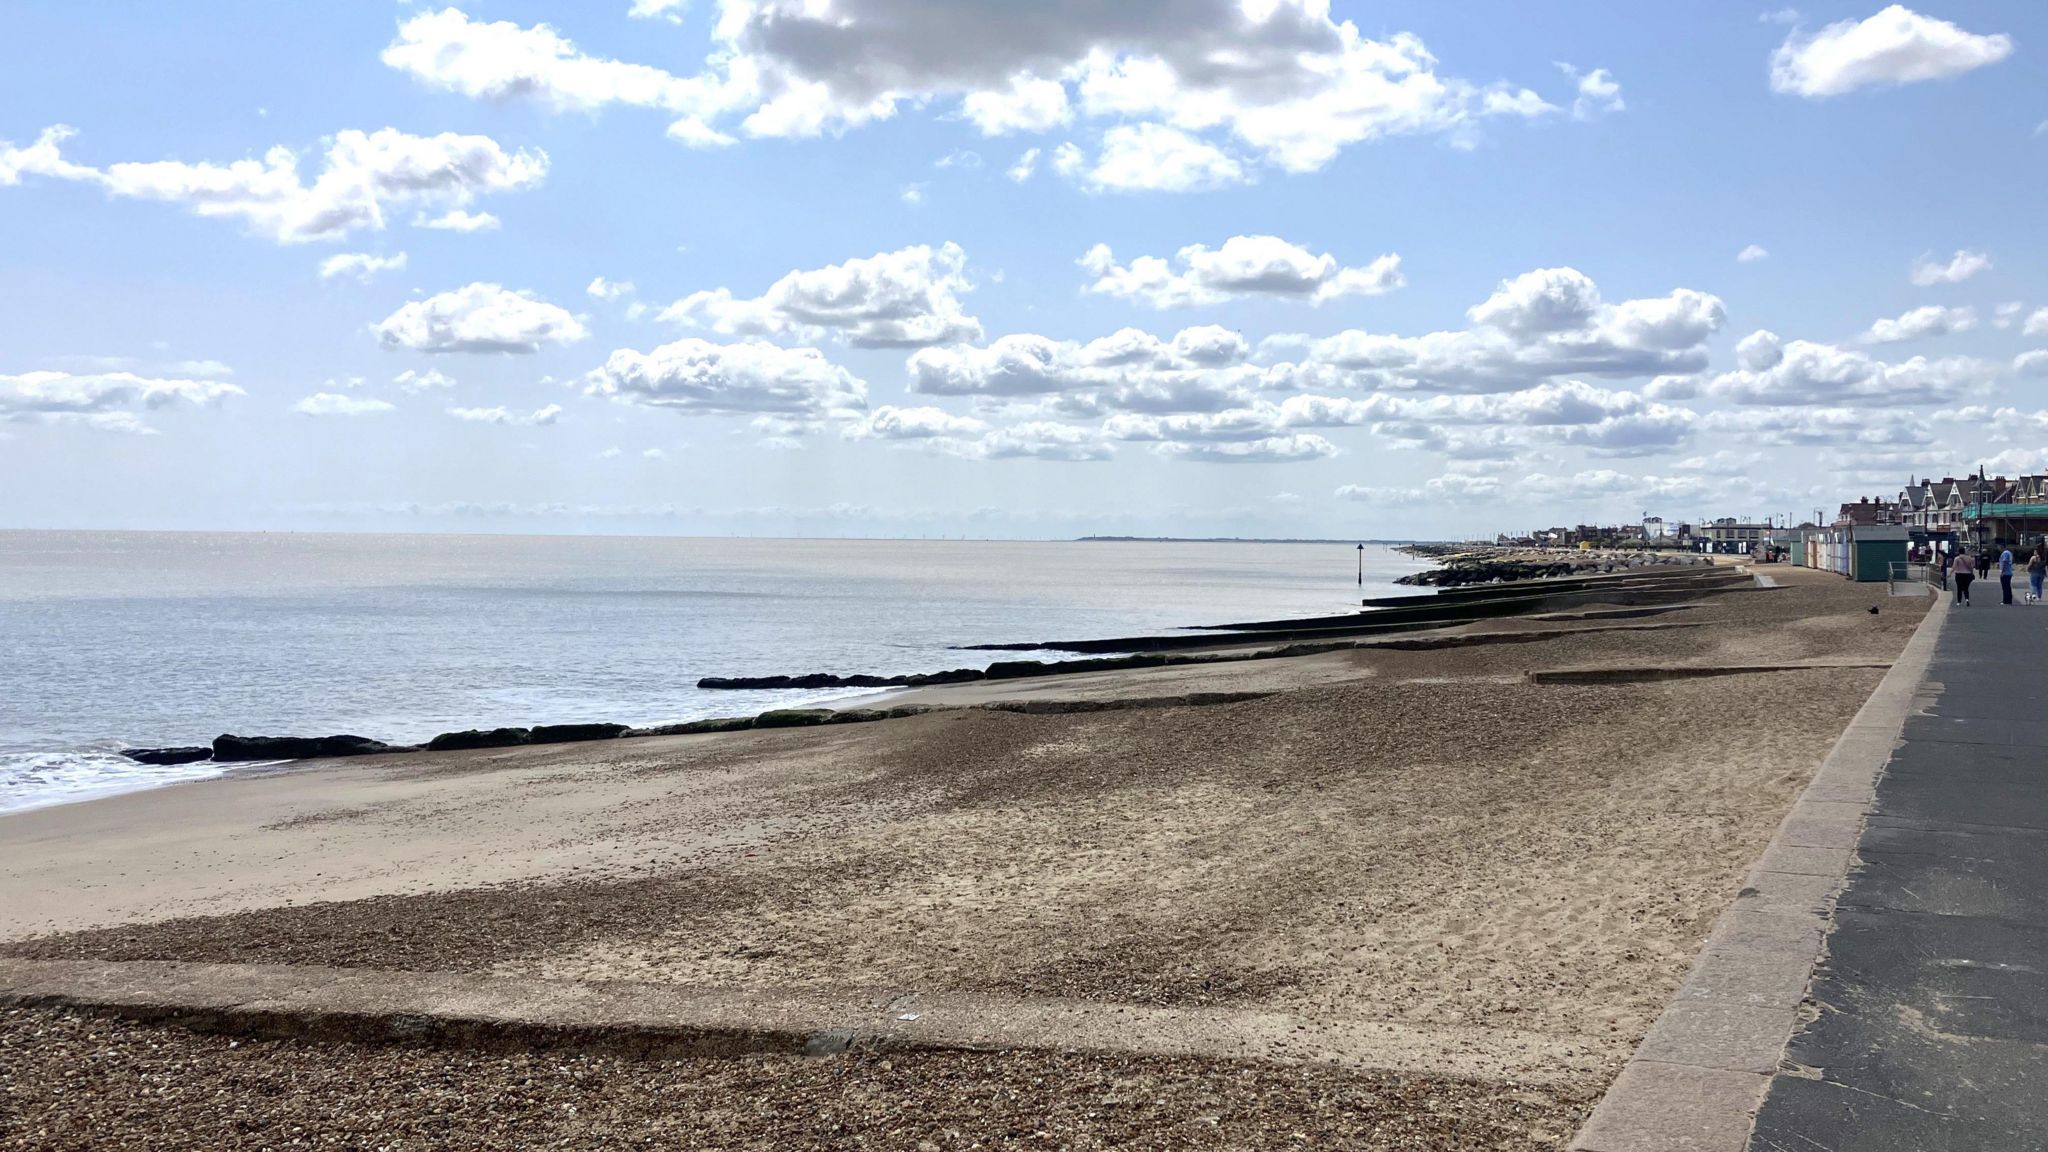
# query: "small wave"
[[39, 779]]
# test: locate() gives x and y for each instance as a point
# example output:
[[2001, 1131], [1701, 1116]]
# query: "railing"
[[1909, 573]]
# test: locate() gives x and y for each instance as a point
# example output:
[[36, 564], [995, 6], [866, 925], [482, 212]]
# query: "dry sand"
[[1420, 841]]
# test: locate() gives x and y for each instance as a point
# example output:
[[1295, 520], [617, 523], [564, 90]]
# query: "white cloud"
[[1896, 46], [413, 381], [1026, 104], [1921, 323], [1267, 450], [1759, 351], [457, 220], [1243, 266], [1598, 95], [1960, 267], [603, 289], [730, 379], [109, 401], [913, 193], [2007, 314], [1025, 167], [363, 177], [1039, 441], [2037, 324], [501, 415], [480, 318], [903, 299], [1753, 253], [1279, 79], [669, 10], [1803, 372], [889, 422], [965, 159], [1540, 325], [1156, 158], [362, 265], [1201, 369], [2033, 363], [1821, 426], [654, 454], [341, 404]]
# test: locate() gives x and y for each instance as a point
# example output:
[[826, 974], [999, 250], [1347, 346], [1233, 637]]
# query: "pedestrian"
[[2037, 570], [2005, 575], [1964, 572], [1983, 563]]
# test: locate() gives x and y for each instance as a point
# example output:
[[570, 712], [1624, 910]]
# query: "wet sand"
[[1421, 841]]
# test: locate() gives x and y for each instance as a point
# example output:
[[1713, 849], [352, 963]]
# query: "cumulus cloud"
[[1753, 253], [1280, 80], [2034, 363], [1921, 323], [1607, 422], [903, 299], [458, 220], [750, 378], [1598, 95], [1540, 325], [1154, 158], [1927, 271], [2037, 324], [890, 422], [362, 266], [1802, 372], [1266, 450], [341, 404], [480, 318], [109, 401], [1797, 426], [363, 177], [501, 415], [413, 381], [1896, 46], [1025, 167], [1200, 369], [1242, 266]]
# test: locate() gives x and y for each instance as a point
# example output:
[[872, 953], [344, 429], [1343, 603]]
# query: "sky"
[[1000, 268]]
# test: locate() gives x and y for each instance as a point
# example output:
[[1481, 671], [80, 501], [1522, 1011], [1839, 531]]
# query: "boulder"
[[954, 676], [168, 755], [809, 680], [479, 738], [857, 716], [695, 727], [230, 748], [573, 733], [1012, 669]]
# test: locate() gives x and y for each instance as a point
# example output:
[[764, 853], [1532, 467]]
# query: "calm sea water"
[[111, 640]]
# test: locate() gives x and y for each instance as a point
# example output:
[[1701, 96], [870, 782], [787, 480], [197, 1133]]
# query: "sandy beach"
[[1464, 895]]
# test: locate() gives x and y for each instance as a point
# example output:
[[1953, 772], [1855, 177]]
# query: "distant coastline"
[[1347, 542]]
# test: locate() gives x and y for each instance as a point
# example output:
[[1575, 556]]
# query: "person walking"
[[2037, 570], [1964, 572], [1983, 563], [2005, 575]]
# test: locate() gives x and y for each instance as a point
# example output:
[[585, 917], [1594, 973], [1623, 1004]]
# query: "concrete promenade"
[[1928, 1025]]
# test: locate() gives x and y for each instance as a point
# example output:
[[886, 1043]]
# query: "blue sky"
[[1364, 269]]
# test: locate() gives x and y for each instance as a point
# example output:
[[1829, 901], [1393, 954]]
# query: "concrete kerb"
[[1698, 1078]]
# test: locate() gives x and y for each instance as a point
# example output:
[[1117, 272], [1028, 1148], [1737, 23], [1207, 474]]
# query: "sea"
[[111, 640]]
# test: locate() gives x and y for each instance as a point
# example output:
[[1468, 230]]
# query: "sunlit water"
[[111, 640]]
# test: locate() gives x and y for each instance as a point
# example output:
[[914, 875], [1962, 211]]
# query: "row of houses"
[[1727, 534], [1978, 509]]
